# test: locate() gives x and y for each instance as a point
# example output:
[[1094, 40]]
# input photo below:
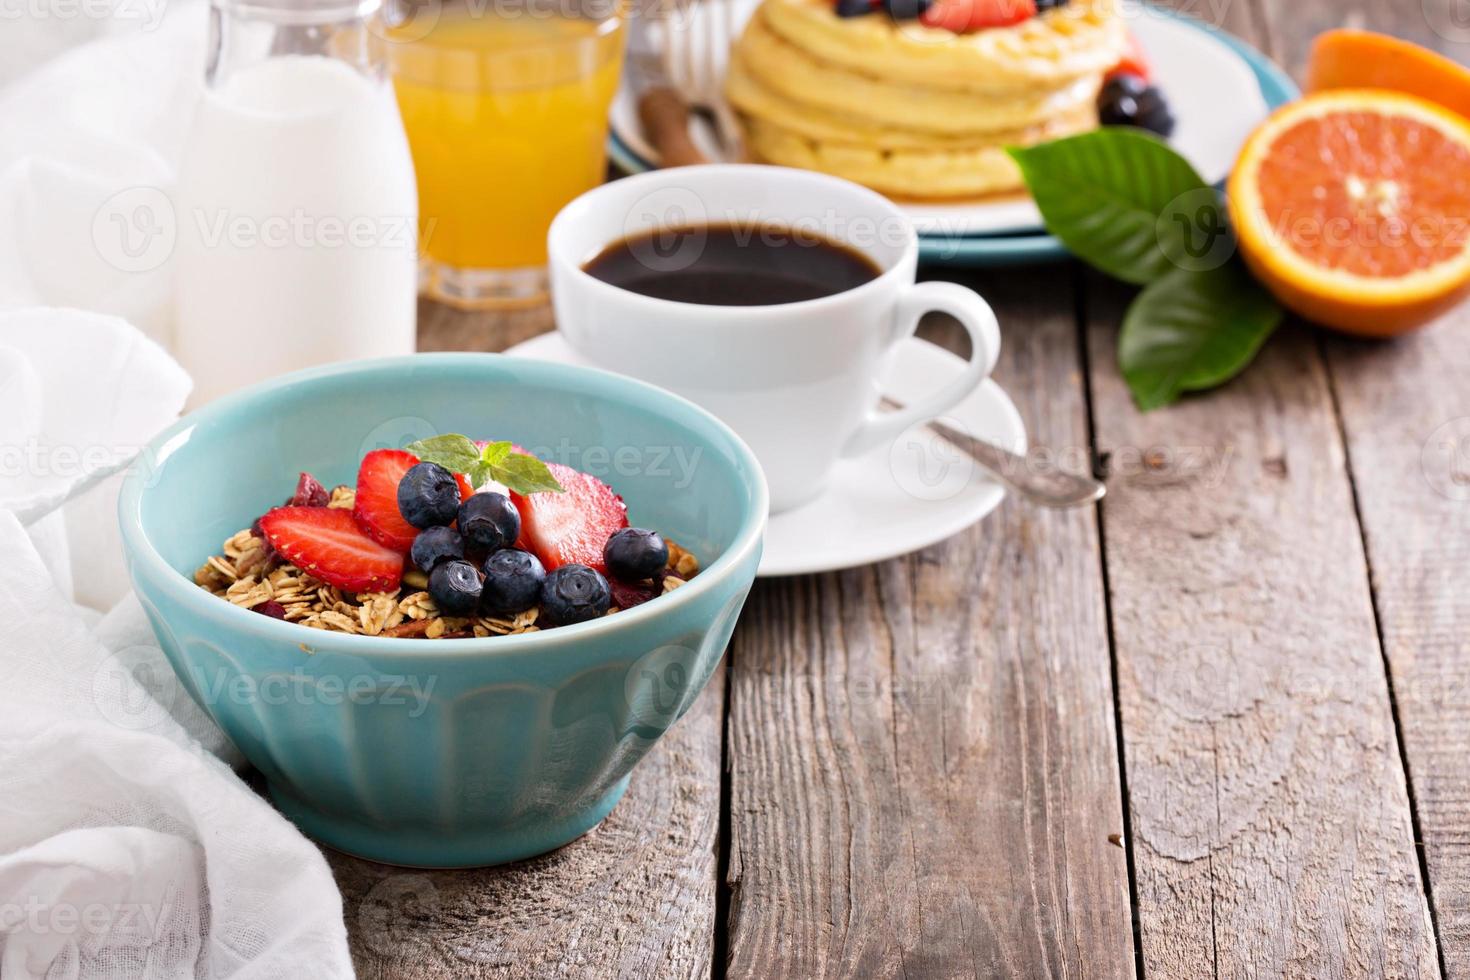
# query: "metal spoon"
[[1048, 487]]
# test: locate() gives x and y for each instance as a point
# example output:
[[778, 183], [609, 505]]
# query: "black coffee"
[[732, 265]]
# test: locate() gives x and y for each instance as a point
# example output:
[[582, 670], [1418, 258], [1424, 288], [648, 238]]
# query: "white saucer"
[[896, 499]]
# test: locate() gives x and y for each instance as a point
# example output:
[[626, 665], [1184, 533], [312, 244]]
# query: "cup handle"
[[979, 322]]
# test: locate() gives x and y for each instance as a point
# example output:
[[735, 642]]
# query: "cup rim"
[[561, 223], [140, 550]]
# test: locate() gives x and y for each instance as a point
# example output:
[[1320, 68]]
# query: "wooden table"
[[1217, 726]]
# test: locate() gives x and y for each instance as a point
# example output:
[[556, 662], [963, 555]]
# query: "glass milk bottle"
[[296, 207]]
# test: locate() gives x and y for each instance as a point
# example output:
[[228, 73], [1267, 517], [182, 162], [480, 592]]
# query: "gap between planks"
[[1425, 881], [1084, 365]]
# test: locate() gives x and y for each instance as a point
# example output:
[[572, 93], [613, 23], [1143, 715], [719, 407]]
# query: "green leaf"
[[497, 461], [1193, 330], [1107, 194], [454, 452], [523, 474], [494, 452]]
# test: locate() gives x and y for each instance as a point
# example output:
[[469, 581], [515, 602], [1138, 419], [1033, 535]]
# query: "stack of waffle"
[[912, 111]]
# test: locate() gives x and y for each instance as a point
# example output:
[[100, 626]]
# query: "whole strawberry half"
[[965, 16], [1134, 62], [376, 506], [570, 527], [328, 544]]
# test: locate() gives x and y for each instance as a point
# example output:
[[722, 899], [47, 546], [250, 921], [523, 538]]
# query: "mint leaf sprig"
[[1127, 204], [498, 461]]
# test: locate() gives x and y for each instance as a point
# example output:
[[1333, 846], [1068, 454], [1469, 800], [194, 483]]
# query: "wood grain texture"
[[1288, 28], [923, 772], [443, 328], [633, 898], [1406, 413], [1271, 825]]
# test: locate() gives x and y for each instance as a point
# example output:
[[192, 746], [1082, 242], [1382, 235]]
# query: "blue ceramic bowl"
[[444, 753]]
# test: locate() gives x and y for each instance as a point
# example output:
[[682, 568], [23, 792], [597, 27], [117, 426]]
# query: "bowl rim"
[[139, 550]]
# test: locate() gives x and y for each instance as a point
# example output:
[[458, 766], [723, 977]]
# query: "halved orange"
[[1363, 59], [1353, 207]]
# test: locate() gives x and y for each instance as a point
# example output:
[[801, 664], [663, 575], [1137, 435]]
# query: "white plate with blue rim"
[[1219, 88], [899, 498]]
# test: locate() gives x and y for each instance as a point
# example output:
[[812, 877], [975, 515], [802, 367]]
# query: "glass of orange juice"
[[505, 103]]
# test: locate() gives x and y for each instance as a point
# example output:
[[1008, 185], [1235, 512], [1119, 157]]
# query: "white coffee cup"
[[798, 381]]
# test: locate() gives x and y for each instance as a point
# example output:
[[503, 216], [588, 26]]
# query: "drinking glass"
[[506, 106]]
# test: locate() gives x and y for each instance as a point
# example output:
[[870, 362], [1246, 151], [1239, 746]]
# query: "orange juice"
[[506, 115]]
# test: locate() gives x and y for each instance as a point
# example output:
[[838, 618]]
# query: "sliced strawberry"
[[376, 508], [1133, 62], [328, 544], [965, 16], [466, 490], [309, 492], [571, 527]]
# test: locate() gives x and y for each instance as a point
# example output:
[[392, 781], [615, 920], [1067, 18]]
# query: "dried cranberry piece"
[[626, 595], [309, 492]]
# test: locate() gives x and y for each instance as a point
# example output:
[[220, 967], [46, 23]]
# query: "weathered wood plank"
[[1271, 824], [1288, 28], [443, 328], [921, 753], [634, 898], [1405, 411]]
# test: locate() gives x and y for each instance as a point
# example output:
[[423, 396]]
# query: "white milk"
[[297, 218]]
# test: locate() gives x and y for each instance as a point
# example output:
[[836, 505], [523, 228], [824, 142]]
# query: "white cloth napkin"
[[128, 848]]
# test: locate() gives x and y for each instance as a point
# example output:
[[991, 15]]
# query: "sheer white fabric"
[[128, 846]]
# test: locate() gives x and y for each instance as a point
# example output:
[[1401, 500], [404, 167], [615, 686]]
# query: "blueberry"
[[455, 587], [1123, 83], [575, 593], [1121, 110], [434, 545], [1153, 112], [513, 582], [428, 496], [634, 553], [1128, 100], [1043, 5], [853, 8], [489, 521], [906, 9]]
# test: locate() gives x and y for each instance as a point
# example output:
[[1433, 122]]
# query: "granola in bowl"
[[449, 539]]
